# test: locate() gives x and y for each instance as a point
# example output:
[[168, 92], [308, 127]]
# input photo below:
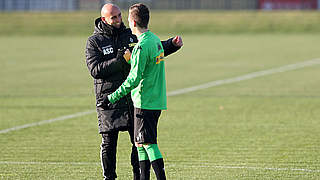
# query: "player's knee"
[[138, 145], [141, 145], [145, 145]]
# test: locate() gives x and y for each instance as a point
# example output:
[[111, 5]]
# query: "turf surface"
[[232, 22], [263, 128]]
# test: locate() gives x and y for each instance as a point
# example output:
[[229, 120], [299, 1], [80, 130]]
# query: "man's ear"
[[134, 23]]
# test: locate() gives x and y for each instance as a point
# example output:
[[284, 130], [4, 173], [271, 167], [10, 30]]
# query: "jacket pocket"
[[103, 89]]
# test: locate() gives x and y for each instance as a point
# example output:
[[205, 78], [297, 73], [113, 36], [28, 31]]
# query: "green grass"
[[182, 22], [233, 131]]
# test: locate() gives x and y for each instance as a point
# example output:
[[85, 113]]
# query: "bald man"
[[106, 57]]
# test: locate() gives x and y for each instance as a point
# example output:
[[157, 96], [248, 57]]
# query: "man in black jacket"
[[105, 51]]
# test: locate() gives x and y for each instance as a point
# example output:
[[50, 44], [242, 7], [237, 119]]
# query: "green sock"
[[142, 154], [153, 152]]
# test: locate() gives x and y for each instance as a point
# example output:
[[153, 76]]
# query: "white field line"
[[47, 121], [251, 168], [188, 165], [187, 90], [48, 163], [247, 76]]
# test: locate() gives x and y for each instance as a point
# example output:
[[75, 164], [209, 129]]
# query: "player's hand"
[[177, 41], [127, 55], [124, 53]]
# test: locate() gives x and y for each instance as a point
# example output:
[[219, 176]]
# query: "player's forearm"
[[128, 85], [133, 79], [168, 47]]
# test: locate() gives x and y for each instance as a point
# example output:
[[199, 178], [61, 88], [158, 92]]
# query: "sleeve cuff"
[[110, 99]]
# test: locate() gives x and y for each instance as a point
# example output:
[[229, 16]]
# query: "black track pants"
[[109, 152]]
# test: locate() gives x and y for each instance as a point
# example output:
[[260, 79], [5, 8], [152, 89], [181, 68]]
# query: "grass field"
[[80, 23], [263, 128]]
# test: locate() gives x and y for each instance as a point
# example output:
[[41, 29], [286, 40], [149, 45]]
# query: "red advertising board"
[[288, 4]]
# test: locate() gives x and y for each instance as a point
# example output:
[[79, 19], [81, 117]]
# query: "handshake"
[[124, 53]]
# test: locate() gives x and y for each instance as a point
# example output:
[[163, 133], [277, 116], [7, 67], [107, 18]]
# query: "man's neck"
[[140, 31]]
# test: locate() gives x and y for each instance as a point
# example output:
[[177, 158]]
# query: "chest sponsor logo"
[[107, 50]]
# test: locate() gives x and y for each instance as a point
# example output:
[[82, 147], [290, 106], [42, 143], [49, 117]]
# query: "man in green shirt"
[[147, 84]]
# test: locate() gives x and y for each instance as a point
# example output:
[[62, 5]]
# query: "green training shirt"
[[146, 79]]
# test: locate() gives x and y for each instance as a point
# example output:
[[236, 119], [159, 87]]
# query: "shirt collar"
[[143, 35]]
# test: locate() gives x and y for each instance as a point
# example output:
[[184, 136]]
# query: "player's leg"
[[152, 149], [146, 133], [108, 154], [149, 154], [144, 164], [156, 160]]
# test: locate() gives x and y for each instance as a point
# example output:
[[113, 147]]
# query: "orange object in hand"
[[127, 55]]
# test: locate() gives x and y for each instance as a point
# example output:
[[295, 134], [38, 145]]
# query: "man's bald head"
[[111, 14]]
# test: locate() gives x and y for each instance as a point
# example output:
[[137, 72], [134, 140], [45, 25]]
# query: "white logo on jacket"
[[107, 50]]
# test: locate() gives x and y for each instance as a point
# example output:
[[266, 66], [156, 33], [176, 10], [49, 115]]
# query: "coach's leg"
[[134, 157], [108, 154]]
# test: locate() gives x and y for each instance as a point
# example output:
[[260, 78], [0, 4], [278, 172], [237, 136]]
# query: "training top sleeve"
[[138, 63]]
